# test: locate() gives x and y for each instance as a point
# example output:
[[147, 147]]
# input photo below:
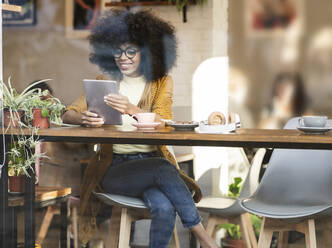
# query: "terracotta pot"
[[232, 243], [38, 120], [16, 184], [14, 122]]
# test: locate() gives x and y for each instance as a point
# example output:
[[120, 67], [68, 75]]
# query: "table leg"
[[29, 210], [4, 210], [12, 227], [64, 231]]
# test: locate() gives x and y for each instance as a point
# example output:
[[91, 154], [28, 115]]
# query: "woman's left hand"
[[120, 103]]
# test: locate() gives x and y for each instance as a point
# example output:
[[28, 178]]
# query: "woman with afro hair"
[[137, 49]]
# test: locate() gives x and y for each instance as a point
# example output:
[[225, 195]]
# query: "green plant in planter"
[[233, 230], [51, 107], [21, 154], [15, 102]]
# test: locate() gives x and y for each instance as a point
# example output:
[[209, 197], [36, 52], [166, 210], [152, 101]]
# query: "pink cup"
[[145, 117]]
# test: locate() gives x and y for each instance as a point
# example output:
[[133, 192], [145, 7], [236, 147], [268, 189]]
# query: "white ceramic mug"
[[313, 121], [145, 117]]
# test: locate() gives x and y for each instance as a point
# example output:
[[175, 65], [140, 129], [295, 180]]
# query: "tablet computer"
[[95, 90]]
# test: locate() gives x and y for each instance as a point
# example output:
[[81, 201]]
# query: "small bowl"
[[183, 125]]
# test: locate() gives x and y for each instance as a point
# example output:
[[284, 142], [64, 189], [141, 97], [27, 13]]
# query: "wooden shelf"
[[128, 4], [150, 3], [42, 193], [11, 7]]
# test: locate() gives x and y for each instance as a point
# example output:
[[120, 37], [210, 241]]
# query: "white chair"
[[126, 210], [294, 192], [228, 210]]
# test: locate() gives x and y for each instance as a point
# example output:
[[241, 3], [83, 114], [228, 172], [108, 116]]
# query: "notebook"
[[95, 90]]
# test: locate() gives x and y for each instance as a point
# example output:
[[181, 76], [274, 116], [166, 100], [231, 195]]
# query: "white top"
[[133, 89]]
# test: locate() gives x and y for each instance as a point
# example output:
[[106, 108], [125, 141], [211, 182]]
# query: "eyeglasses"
[[130, 52]]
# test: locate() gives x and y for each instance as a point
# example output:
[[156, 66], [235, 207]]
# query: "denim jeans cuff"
[[192, 224]]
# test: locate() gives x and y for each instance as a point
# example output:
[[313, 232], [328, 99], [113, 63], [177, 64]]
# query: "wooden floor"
[[52, 238]]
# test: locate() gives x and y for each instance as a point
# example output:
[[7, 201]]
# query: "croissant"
[[216, 118]]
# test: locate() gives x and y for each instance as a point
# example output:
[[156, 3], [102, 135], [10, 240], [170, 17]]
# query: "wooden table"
[[241, 138], [274, 138]]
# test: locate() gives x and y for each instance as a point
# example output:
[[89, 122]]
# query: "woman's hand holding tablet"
[[95, 91]]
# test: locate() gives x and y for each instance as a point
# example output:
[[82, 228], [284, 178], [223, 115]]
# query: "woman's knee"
[[163, 209], [158, 203]]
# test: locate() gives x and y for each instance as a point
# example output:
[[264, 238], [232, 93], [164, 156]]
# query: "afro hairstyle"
[[154, 37]]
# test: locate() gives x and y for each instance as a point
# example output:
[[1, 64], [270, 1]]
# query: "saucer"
[[151, 125], [314, 130]]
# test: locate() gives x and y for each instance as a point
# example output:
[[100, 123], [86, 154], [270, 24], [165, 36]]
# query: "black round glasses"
[[130, 52]]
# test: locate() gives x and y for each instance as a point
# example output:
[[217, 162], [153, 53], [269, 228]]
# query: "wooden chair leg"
[[265, 236], [175, 242], [125, 224], [250, 228], [45, 225], [120, 227], [211, 226], [245, 231], [114, 228], [310, 234], [283, 239]]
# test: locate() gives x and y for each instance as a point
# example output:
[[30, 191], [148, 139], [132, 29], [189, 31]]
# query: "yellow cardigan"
[[157, 97]]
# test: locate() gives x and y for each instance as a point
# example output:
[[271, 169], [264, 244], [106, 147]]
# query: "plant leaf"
[[44, 112]]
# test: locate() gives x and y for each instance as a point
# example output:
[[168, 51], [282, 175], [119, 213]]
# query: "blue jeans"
[[158, 183]]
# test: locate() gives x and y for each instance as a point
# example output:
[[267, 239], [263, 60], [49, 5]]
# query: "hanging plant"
[[180, 4], [21, 154]]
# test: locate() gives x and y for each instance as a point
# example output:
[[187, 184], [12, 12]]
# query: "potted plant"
[[21, 156], [233, 238], [233, 233], [44, 110], [21, 152], [15, 105]]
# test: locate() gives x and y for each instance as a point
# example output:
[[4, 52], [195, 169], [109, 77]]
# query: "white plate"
[[146, 125], [227, 128], [314, 130]]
